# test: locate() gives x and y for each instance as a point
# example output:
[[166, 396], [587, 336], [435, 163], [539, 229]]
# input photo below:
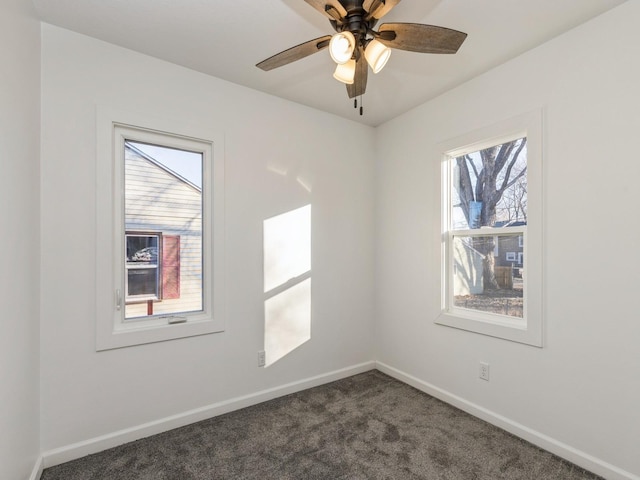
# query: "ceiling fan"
[[356, 45]]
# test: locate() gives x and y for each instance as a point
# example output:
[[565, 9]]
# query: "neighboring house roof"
[[510, 223], [155, 162]]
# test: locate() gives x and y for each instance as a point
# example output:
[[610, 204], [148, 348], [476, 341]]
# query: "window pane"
[[142, 250], [163, 221], [142, 282], [484, 279], [489, 187]]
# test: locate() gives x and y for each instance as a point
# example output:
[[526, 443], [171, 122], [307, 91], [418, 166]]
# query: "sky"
[[186, 164]]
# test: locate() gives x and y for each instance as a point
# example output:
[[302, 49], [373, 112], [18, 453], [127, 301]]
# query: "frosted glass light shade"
[[341, 47], [377, 55], [345, 72]]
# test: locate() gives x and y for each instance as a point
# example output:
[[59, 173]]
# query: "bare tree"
[[484, 179], [513, 205]]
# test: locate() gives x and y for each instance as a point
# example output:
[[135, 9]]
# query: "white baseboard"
[[94, 445], [36, 473], [98, 444], [582, 459]]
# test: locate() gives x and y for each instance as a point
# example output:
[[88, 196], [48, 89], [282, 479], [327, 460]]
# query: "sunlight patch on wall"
[[287, 247], [287, 282], [287, 321]]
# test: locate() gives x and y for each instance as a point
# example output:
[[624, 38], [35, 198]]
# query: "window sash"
[[449, 274], [124, 134]]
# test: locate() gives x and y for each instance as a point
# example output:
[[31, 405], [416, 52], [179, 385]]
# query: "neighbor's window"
[[157, 191], [143, 268], [487, 287]]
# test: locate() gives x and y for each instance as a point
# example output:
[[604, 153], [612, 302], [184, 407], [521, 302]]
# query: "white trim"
[[110, 440], [578, 457], [489, 231], [36, 473], [530, 330], [111, 331]]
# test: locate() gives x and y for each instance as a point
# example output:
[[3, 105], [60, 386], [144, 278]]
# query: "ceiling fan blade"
[[378, 8], [416, 37], [295, 53], [333, 9], [359, 85]]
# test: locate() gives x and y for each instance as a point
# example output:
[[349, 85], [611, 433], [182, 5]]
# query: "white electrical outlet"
[[261, 358], [484, 371]]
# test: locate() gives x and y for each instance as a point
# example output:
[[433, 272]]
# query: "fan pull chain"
[[355, 103], [361, 106]]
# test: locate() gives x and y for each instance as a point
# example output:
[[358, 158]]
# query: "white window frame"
[[113, 128], [512, 255], [529, 329]]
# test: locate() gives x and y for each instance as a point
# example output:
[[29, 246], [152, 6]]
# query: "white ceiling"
[[226, 38]]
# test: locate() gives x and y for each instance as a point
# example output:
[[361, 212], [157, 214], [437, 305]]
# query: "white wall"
[[19, 195], [582, 390], [87, 394]]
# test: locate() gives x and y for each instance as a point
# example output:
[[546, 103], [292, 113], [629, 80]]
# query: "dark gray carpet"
[[369, 426]]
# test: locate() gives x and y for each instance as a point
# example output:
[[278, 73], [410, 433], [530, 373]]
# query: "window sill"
[[499, 326], [127, 335]]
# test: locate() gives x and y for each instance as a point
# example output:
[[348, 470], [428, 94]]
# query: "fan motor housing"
[[354, 21]]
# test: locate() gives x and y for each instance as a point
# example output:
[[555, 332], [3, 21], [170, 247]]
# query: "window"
[[164, 267], [491, 223], [152, 261], [141, 279], [160, 225]]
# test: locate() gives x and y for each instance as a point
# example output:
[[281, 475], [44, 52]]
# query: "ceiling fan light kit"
[[342, 46], [346, 72], [377, 55], [356, 45]]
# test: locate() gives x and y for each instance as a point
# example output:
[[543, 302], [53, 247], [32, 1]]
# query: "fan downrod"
[[354, 21]]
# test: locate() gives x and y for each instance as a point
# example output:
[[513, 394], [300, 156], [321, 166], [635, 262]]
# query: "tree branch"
[[522, 172], [506, 183], [473, 165], [465, 188], [503, 154]]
